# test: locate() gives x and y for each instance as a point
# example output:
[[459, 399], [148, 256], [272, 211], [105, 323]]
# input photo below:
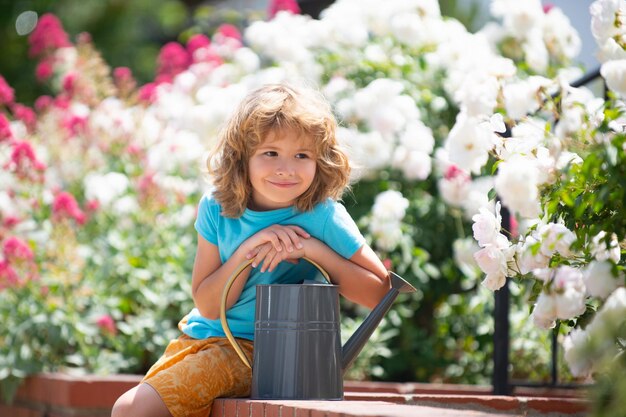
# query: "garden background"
[[102, 168]]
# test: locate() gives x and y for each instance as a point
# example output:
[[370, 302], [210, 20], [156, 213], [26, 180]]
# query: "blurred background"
[[131, 33]]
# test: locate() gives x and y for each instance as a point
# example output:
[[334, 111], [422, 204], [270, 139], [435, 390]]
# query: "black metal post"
[[501, 384], [555, 357]]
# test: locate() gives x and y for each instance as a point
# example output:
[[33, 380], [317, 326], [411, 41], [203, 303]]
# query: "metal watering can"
[[297, 343]]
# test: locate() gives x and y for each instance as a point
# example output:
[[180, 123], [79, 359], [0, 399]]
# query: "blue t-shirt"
[[328, 222]]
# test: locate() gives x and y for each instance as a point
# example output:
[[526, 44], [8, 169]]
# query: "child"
[[277, 172]]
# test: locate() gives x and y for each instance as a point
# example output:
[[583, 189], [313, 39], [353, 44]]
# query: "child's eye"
[[302, 156], [270, 153]]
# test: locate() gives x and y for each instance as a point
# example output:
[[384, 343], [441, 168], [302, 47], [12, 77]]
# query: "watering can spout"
[[356, 342]]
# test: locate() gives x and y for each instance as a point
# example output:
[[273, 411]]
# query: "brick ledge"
[[64, 395]]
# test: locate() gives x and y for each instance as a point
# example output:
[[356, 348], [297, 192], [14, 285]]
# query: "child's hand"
[[279, 238], [269, 257]]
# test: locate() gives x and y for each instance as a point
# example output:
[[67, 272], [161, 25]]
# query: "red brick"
[[243, 408], [272, 410], [86, 391], [495, 402], [556, 405], [217, 410], [230, 408], [303, 412], [378, 396], [257, 409], [19, 411]]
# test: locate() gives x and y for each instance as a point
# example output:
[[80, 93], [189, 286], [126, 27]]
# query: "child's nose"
[[284, 167]]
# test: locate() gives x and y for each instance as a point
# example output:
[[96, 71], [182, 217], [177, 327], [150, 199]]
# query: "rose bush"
[[100, 181], [560, 171]]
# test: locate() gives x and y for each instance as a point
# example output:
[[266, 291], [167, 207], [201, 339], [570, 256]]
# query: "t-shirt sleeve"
[[341, 232], [206, 221]]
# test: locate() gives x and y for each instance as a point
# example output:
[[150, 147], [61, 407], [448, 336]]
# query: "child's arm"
[[209, 274], [362, 278]]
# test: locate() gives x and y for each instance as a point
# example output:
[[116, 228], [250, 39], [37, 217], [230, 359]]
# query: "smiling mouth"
[[283, 184]]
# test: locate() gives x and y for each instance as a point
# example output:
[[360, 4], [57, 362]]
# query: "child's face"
[[281, 169]]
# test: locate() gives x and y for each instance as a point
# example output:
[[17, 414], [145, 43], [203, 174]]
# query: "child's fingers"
[[252, 253], [275, 240], [261, 254], [286, 238], [300, 231], [271, 260], [295, 238]]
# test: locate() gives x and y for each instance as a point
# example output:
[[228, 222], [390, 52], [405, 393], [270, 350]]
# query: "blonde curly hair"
[[272, 108]]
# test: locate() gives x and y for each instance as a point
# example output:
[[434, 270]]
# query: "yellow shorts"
[[192, 373]]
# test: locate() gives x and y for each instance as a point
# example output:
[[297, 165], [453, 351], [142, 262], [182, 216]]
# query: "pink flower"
[[122, 75], [10, 221], [75, 124], [23, 159], [107, 324], [69, 82], [276, 6], [93, 205], [387, 263], [44, 70], [148, 93], [47, 36], [25, 114], [547, 7], [16, 249], [197, 42], [453, 172], [5, 128], [173, 59], [43, 102], [65, 206], [229, 31], [61, 102], [7, 94]]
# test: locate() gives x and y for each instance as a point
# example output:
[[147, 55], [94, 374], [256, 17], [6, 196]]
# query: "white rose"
[[570, 304], [478, 94], [599, 280], [529, 257], [105, 188], [601, 252], [520, 98], [491, 261], [603, 18], [535, 51], [418, 137], [390, 204], [487, 226], [386, 232], [556, 237], [614, 308], [494, 281], [469, 143], [575, 355], [516, 183], [454, 190], [415, 165], [614, 73], [544, 312]]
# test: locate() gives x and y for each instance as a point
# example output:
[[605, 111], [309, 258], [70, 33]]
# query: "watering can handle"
[[229, 283]]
